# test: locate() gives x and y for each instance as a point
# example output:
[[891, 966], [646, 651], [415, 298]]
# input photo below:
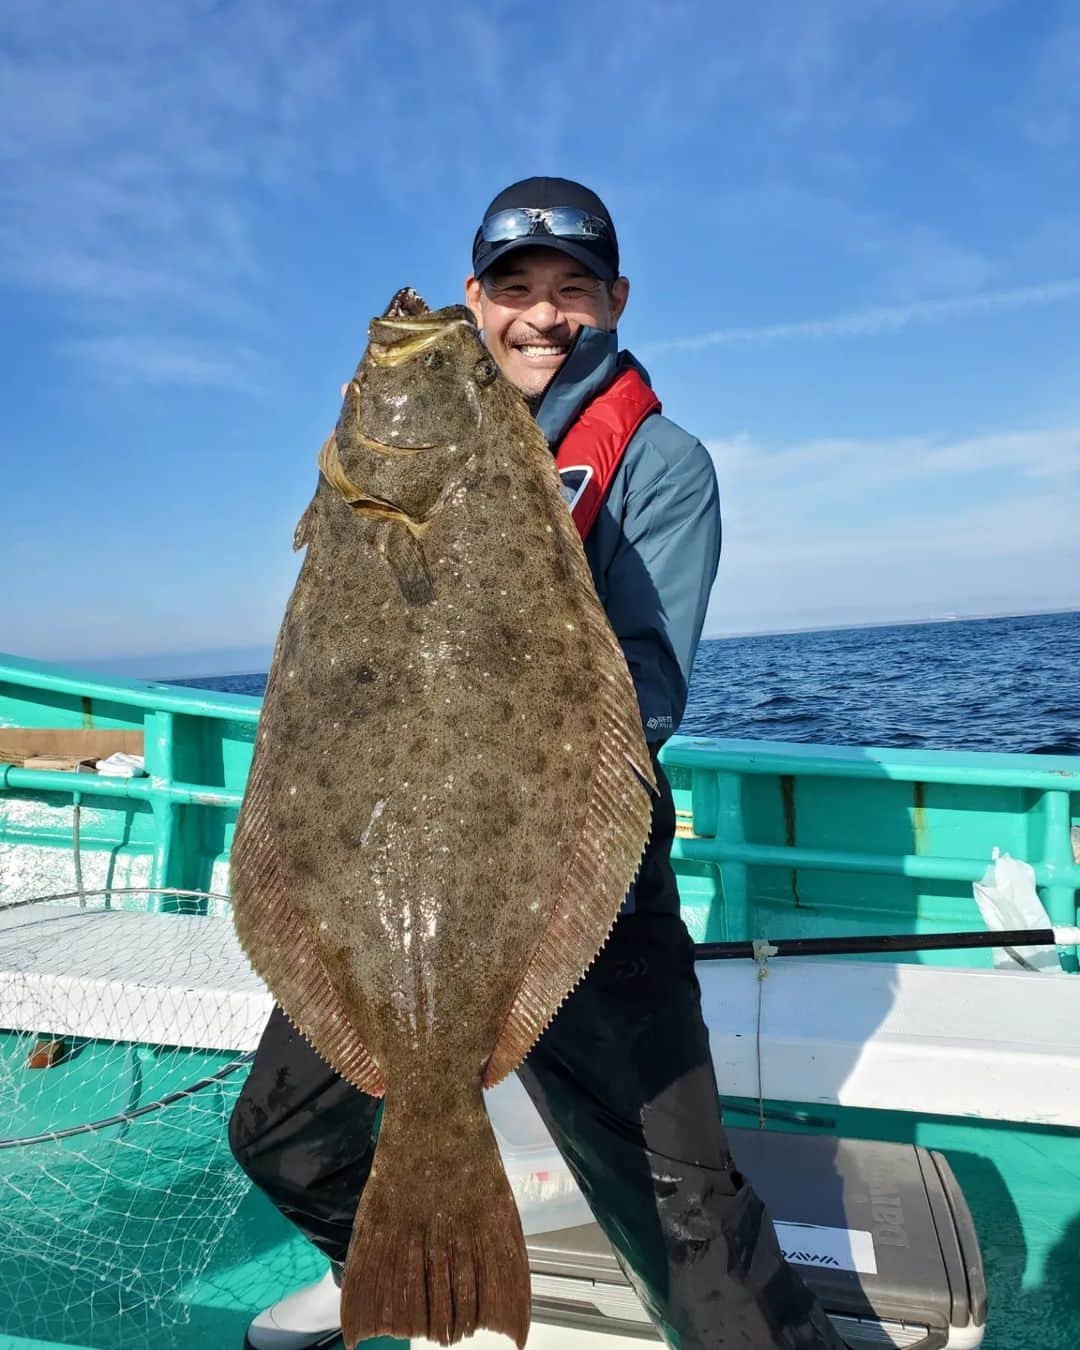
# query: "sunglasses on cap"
[[563, 222]]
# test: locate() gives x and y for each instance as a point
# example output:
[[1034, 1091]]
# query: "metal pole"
[[890, 942]]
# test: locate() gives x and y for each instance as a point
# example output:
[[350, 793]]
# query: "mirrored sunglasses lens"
[[504, 225], [570, 223], [564, 222]]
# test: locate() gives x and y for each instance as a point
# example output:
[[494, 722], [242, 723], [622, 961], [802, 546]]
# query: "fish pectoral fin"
[[404, 552]]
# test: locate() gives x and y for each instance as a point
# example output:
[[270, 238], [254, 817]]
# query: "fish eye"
[[434, 360], [485, 371]]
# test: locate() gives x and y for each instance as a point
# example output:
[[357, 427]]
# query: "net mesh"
[[126, 1024]]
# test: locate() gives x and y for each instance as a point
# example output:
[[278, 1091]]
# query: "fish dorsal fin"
[[615, 825]]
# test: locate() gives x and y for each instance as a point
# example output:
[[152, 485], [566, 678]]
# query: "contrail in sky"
[[880, 320]]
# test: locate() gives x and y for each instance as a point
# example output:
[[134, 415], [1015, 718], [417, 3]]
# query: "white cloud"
[[882, 320], [846, 530], [149, 360], [130, 132], [910, 259]]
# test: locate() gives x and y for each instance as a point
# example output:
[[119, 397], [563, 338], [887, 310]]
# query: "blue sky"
[[852, 231]]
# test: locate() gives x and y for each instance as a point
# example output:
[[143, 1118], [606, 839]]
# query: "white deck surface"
[[167, 979], [970, 1043]]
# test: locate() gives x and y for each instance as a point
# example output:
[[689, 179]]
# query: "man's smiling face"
[[531, 307]]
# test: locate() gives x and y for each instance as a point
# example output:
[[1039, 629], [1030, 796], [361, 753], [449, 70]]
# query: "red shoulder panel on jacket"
[[592, 450]]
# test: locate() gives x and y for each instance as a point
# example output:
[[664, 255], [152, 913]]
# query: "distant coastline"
[[247, 660], [889, 623]]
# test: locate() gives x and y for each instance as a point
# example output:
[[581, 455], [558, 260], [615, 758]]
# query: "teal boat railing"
[[752, 810], [775, 839]]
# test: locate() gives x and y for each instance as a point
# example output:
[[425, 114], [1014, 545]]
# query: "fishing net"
[[127, 1020]]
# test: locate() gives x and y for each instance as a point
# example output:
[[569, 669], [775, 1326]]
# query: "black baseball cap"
[[598, 249]]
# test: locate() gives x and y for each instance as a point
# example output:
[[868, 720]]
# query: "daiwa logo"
[[812, 1258], [659, 723]]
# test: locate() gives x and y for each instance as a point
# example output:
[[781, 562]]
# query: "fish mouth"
[[411, 331], [417, 336], [407, 329], [406, 304], [394, 451]]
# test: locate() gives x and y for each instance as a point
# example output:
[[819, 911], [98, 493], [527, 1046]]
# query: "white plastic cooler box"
[[881, 1232]]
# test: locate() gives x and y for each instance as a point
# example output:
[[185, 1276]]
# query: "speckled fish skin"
[[446, 805]]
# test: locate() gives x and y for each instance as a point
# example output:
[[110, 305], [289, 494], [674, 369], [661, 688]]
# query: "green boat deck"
[[775, 839]]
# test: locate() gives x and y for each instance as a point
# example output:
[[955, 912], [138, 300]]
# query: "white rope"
[[763, 949]]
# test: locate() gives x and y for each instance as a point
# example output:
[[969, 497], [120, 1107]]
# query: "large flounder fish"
[[446, 806]]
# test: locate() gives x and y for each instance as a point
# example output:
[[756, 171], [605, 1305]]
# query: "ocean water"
[[982, 684]]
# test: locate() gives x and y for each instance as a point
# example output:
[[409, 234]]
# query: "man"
[[623, 1076]]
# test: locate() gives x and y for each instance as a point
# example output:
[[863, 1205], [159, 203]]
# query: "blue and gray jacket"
[[655, 546]]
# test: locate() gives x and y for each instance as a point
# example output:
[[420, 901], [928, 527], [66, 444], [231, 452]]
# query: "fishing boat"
[[910, 1110]]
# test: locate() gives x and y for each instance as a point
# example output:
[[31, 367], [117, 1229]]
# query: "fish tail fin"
[[437, 1249]]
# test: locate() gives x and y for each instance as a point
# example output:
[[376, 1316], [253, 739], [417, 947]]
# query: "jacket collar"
[[593, 363]]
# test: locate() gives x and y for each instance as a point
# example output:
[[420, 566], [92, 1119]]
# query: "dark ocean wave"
[[987, 684]]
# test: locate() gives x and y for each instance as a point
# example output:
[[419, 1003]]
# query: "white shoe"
[[306, 1318]]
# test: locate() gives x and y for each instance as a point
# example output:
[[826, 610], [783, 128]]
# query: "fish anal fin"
[[615, 829], [280, 950]]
